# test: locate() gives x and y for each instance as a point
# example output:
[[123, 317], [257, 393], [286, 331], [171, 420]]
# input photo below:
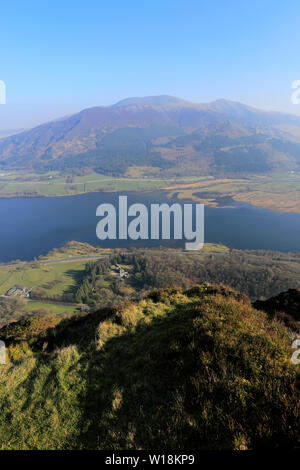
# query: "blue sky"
[[59, 57]]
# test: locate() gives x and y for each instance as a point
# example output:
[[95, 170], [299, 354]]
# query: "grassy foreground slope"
[[196, 369]]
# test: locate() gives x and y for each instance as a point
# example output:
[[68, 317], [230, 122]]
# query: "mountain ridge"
[[143, 132]]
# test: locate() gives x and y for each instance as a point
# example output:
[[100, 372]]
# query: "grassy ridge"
[[196, 369]]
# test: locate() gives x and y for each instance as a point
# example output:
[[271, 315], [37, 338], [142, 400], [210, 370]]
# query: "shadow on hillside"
[[77, 276], [140, 400], [80, 330], [171, 385], [152, 389]]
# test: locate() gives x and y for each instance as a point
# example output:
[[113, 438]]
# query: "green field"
[[56, 278], [53, 184], [33, 306], [278, 191], [53, 282]]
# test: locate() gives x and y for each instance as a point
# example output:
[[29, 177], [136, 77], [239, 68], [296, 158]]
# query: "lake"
[[30, 227]]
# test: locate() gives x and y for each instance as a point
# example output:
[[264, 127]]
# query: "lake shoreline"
[[211, 201], [277, 192], [34, 226]]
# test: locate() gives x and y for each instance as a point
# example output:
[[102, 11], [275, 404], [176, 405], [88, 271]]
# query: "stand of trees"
[[258, 274]]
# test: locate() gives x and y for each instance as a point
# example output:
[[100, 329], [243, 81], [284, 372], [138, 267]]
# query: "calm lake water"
[[31, 227]]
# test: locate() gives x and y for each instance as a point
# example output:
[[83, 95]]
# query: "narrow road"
[[53, 261]]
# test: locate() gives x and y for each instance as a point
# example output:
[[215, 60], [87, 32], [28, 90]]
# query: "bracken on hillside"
[[196, 369]]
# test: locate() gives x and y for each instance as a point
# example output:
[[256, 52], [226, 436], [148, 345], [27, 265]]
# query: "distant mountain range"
[[163, 135]]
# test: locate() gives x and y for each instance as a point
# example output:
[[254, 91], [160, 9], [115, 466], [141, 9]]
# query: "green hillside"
[[195, 369]]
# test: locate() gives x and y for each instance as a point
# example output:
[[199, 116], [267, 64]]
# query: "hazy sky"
[[58, 57]]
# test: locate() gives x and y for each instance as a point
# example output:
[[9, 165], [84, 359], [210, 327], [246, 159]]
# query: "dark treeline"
[[257, 274]]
